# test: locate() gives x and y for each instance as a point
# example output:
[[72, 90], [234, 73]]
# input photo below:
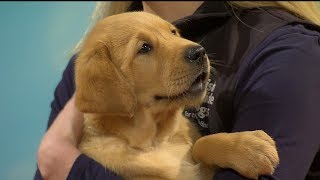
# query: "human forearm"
[[58, 149], [55, 159]]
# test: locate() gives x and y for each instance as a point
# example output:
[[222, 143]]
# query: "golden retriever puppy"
[[134, 76]]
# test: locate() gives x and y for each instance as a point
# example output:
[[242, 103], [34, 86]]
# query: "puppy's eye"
[[174, 32], [145, 48]]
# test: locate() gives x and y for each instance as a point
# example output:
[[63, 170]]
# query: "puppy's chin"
[[189, 101], [192, 97]]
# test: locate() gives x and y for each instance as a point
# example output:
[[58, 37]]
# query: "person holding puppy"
[[267, 58]]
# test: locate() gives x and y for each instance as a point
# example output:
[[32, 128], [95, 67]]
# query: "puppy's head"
[[135, 60]]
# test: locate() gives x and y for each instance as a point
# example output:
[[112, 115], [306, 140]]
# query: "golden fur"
[[138, 136]]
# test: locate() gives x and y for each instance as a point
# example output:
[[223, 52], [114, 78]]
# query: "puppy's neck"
[[153, 126], [148, 127]]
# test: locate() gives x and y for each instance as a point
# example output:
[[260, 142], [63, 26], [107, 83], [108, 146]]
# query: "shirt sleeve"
[[84, 168], [280, 94]]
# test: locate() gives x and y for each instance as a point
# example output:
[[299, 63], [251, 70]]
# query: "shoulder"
[[288, 56], [294, 37], [288, 45]]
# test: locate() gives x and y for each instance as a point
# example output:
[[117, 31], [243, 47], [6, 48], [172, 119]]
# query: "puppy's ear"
[[101, 87]]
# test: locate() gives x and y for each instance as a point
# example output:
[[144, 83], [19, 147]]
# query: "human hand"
[[58, 148]]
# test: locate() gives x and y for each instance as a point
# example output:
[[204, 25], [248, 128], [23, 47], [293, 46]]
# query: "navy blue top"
[[276, 89]]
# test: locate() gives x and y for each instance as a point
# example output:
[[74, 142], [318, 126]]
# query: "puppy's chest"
[[178, 139]]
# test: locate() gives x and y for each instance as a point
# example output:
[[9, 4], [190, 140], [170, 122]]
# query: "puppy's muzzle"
[[195, 55]]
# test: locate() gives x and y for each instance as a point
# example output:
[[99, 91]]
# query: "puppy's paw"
[[254, 154]]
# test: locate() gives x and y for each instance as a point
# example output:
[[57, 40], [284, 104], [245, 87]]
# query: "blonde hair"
[[102, 10], [306, 10]]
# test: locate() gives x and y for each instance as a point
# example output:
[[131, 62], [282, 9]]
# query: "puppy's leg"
[[251, 153]]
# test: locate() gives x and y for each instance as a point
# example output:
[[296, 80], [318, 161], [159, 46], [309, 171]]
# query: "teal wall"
[[35, 43]]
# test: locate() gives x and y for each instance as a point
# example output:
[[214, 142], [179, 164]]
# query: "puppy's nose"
[[195, 54]]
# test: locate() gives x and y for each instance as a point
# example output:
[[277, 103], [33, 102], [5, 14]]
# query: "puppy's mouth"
[[195, 89]]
